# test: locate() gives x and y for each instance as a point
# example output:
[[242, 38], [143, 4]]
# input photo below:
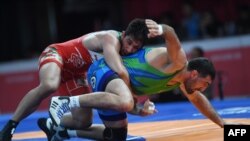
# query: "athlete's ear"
[[194, 74]]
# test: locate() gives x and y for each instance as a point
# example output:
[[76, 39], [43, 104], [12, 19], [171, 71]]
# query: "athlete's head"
[[202, 73], [197, 52], [134, 37]]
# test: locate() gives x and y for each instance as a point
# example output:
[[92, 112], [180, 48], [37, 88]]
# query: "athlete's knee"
[[115, 134], [126, 105], [83, 124], [49, 86], [83, 117], [79, 125]]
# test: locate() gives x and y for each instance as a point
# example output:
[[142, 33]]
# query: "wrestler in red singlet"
[[74, 60]]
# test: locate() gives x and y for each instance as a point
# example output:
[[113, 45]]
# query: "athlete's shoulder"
[[160, 48], [107, 34], [157, 50], [113, 34]]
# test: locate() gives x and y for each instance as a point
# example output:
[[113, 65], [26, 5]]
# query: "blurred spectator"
[[229, 28], [190, 22], [209, 25], [243, 21], [62, 18], [102, 24], [196, 52], [168, 19]]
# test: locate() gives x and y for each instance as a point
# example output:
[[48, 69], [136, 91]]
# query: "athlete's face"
[[197, 83], [129, 45]]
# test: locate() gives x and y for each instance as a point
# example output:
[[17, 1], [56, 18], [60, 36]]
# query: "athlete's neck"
[[180, 77]]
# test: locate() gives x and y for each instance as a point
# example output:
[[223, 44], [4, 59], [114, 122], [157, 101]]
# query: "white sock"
[[72, 133], [74, 102]]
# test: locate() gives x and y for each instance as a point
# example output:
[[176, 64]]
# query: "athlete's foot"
[[5, 136], [58, 106], [46, 125], [53, 133], [8, 130], [60, 134]]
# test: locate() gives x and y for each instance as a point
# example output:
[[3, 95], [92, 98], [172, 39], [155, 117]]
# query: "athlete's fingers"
[[150, 22], [153, 33], [146, 103], [153, 28], [148, 108], [145, 112], [150, 26]]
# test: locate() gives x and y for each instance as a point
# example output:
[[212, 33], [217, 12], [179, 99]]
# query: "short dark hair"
[[203, 65], [138, 29]]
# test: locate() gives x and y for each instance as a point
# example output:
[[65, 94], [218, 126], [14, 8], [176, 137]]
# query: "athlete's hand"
[[148, 108], [153, 28]]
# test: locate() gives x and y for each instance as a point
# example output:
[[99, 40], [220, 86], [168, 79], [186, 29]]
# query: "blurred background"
[[218, 29]]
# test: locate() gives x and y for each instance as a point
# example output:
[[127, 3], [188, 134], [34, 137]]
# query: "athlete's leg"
[[115, 122], [49, 81], [94, 132], [79, 118], [115, 130], [50, 78], [112, 131], [117, 96]]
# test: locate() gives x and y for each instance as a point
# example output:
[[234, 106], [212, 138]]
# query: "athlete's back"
[[146, 78]]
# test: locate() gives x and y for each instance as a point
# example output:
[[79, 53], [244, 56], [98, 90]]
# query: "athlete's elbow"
[[122, 72], [126, 108]]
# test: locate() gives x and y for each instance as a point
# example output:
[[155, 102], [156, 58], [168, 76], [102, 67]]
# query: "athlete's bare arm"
[[204, 106], [175, 57], [106, 42], [111, 49], [175, 53]]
